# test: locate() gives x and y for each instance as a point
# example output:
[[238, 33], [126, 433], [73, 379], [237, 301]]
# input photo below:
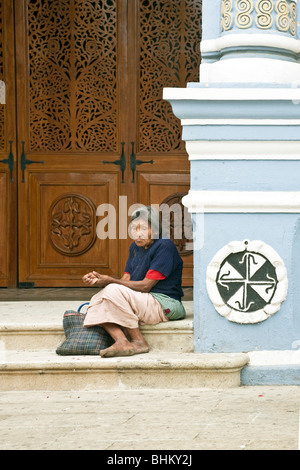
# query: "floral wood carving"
[[170, 34], [72, 224], [73, 72], [73, 75]]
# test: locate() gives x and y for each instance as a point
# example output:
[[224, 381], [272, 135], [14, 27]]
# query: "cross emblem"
[[247, 281]]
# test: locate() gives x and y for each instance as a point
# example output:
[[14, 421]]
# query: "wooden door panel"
[[70, 95], [166, 191], [8, 181], [63, 206], [165, 53], [89, 76], [72, 91], [165, 39], [4, 229]]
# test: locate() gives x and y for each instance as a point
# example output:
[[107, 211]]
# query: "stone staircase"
[[31, 331]]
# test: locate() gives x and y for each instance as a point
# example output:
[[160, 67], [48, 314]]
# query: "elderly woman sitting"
[[148, 293]]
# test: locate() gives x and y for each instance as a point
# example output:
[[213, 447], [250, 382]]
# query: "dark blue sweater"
[[162, 256]]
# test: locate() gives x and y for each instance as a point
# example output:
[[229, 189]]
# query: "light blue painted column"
[[241, 125]]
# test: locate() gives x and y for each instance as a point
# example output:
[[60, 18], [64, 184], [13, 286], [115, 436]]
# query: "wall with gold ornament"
[[264, 15]]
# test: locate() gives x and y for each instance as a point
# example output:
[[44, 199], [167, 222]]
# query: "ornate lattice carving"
[[170, 33], [177, 223], [73, 78], [72, 224]]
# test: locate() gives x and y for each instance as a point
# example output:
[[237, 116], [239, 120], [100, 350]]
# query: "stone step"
[[38, 325], [272, 368], [44, 370], [31, 331]]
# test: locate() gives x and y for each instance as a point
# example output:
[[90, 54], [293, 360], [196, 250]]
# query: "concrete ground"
[[246, 418]]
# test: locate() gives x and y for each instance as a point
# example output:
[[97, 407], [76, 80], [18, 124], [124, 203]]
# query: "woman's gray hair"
[[151, 216]]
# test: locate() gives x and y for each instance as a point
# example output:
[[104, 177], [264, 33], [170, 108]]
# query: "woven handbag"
[[81, 340]]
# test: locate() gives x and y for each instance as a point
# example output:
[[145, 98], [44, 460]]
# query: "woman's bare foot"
[[140, 347], [125, 348], [119, 348]]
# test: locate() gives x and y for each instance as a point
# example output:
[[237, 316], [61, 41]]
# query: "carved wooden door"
[[90, 115], [165, 45], [8, 182], [70, 96]]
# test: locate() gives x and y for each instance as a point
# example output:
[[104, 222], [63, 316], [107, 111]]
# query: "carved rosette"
[[177, 223], [72, 219]]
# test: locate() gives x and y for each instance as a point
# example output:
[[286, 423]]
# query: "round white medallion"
[[247, 282]]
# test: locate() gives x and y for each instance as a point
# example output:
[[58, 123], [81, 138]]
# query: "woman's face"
[[140, 231]]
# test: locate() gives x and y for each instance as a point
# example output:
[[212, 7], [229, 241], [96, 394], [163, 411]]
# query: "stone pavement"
[[246, 418]]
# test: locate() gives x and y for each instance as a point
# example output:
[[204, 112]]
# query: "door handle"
[[134, 162], [121, 162], [9, 161], [25, 162]]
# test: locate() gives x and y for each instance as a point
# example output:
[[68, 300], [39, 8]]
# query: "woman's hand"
[[95, 279]]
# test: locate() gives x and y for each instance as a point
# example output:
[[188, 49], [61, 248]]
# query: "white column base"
[[250, 70]]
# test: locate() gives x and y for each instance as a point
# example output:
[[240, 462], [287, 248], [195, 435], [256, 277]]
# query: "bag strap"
[[78, 311]]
